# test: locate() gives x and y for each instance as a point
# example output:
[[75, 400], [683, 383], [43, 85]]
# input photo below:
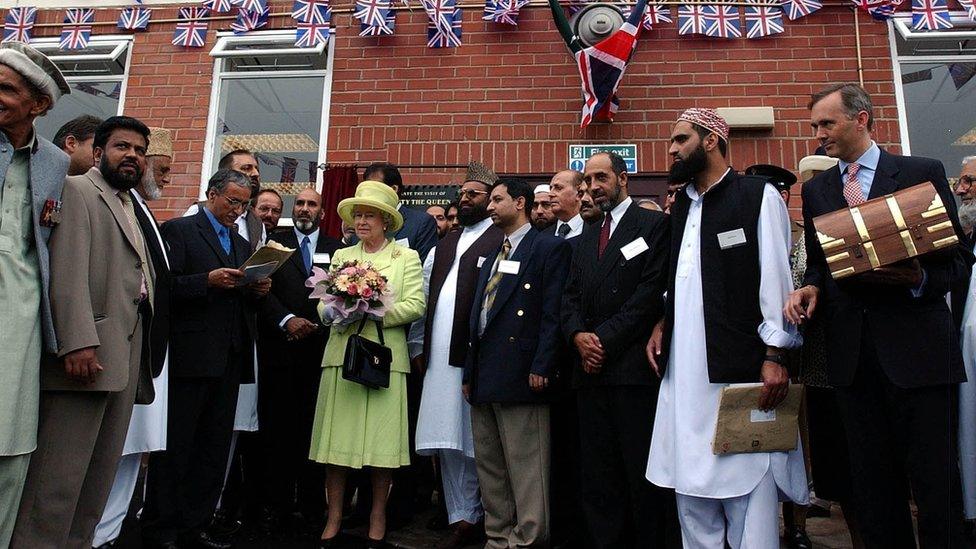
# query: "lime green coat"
[[402, 268]]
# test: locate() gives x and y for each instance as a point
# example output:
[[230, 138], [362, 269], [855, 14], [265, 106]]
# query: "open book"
[[264, 262]]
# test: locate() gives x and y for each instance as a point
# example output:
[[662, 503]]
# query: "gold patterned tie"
[[492, 288], [146, 288]]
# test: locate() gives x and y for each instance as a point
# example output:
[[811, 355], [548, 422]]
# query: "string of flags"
[[378, 17]]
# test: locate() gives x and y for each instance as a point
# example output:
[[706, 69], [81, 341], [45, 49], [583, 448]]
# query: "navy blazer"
[[913, 338], [203, 320], [420, 230], [522, 334]]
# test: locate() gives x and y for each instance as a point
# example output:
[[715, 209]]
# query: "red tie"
[[604, 235], [852, 187]]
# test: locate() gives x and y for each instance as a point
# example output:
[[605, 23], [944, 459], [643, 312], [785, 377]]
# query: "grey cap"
[[36, 68], [480, 173]]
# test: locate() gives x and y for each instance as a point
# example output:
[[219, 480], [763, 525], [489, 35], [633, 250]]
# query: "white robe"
[[444, 422], [687, 410], [967, 404]]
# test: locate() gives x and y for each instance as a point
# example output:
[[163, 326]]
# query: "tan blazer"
[[95, 280]]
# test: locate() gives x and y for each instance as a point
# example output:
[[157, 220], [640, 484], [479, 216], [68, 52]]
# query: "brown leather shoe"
[[464, 533]]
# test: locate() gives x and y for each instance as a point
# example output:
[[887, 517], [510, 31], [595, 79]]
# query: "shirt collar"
[[138, 197], [518, 235], [213, 221], [692, 191], [868, 160], [574, 223], [313, 237], [617, 212], [479, 226]]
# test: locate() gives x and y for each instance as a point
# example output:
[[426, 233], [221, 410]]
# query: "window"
[[936, 90], [96, 75], [272, 99]]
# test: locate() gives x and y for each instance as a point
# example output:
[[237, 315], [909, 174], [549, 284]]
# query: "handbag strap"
[[379, 328]]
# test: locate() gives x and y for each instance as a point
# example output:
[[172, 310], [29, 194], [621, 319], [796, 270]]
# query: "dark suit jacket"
[[420, 230], [522, 332], [617, 299], [205, 322], [288, 294], [156, 336], [914, 338]]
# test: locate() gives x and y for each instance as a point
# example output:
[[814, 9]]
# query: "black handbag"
[[367, 362]]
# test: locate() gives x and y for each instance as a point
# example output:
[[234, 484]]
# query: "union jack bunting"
[[602, 67], [930, 15], [444, 23], [311, 11], [796, 9], [385, 29], [970, 8], [576, 5], [691, 19], [77, 28], [217, 6], [18, 24], [191, 30], [879, 9], [373, 13], [248, 20], [309, 35], [653, 15], [723, 22], [251, 5], [503, 11], [763, 21], [134, 18]]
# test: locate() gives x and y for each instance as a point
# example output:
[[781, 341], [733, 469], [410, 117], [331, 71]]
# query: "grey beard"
[[153, 192], [967, 215], [304, 225]]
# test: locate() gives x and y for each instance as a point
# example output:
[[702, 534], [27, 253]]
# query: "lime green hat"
[[375, 195]]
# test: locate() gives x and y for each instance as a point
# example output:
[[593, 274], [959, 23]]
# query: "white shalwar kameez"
[[734, 496], [444, 422], [967, 405]]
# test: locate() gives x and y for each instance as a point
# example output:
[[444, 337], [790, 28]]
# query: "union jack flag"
[[796, 9], [384, 29], [311, 11], [970, 8], [77, 28], [134, 18], [372, 12], [763, 21], [217, 6], [879, 9], [191, 30], [251, 5], [930, 15], [602, 67], [503, 11], [691, 19], [723, 22], [309, 35], [444, 23], [18, 24], [248, 20], [653, 15]]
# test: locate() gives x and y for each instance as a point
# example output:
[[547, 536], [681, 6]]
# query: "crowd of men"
[[565, 378]]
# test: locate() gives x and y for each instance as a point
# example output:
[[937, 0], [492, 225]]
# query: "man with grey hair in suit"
[[32, 172]]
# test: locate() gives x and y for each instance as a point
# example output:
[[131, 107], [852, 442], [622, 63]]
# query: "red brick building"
[[510, 97]]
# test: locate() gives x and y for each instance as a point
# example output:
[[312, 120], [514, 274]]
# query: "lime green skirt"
[[355, 426]]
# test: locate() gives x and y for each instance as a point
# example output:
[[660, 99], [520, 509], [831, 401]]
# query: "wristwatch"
[[777, 358]]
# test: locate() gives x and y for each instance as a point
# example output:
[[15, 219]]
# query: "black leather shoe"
[[375, 543], [204, 540], [798, 539], [223, 525]]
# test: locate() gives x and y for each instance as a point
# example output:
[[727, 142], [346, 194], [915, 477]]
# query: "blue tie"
[[224, 238], [306, 255]]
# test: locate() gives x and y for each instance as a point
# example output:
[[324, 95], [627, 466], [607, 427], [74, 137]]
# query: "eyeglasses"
[[964, 182], [234, 203], [471, 194]]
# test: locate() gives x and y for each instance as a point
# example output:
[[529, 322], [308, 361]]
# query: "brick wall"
[[511, 98]]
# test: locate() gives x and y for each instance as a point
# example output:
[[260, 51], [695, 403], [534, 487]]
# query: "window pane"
[[99, 99], [939, 97], [279, 120]]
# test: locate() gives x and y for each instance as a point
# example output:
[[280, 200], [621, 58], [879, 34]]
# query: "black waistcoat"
[[730, 277], [467, 279]]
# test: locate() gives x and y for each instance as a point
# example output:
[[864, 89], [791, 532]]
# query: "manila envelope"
[[743, 428]]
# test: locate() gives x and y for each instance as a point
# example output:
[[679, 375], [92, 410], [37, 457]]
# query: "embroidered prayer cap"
[[375, 195], [160, 142], [708, 119], [782, 178], [814, 164], [541, 189], [480, 173], [36, 68]]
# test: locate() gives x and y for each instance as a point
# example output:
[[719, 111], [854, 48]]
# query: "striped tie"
[[492, 288], [852, 187]]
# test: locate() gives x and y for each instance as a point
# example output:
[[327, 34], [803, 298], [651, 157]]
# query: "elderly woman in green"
[[356, 426]]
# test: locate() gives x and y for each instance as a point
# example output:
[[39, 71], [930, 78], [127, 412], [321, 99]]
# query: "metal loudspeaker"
[[596, 22]]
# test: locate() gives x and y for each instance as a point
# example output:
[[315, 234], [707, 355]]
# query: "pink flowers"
[[350, 290]]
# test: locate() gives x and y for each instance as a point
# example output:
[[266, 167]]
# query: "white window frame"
[[221, 54], [901, 24], [123, 44]]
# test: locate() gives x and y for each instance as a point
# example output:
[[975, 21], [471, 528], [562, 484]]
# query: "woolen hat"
[[375, 195], [480, 173], [160, 142], [36, 68]]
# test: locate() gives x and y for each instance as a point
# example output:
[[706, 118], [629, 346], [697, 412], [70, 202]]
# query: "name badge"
[[509, 267], [481, 261], [634, 249], [731, 239], [403, 242], [321, 259], [760, 416]]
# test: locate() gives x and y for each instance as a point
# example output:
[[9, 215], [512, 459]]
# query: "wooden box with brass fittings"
[[908, 223]]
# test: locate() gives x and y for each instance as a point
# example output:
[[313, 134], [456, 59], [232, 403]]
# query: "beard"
[[305, 226], [612, 200], [967, 215], [118, 180], [469, 215], [685, 170], [152, 190]]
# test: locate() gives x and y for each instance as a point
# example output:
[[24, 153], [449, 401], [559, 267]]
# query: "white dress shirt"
[[617, 213], [575, 226]]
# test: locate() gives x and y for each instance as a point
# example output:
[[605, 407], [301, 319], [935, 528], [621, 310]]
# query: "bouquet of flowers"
[[349, 291]]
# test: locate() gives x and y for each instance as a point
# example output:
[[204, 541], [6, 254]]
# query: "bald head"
[[307, 213], [565, 195]]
